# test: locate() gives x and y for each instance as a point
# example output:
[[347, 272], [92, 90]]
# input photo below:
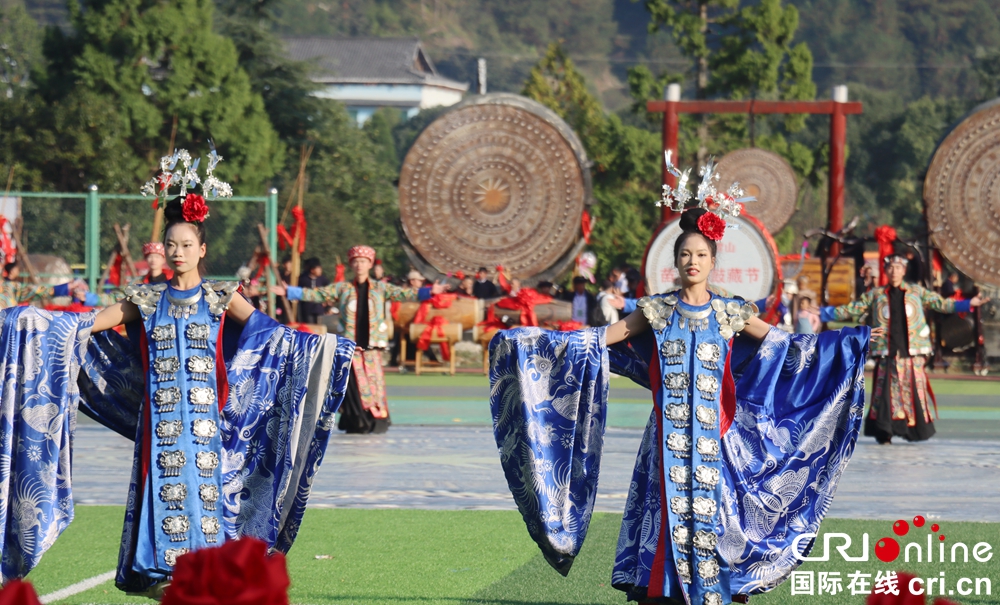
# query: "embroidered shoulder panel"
[[145, 296], [218, 295]]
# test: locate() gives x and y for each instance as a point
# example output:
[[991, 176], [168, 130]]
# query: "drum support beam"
[[838, 109]]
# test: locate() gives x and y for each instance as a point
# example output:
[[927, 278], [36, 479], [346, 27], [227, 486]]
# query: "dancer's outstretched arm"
[[634, 323], [115, 315]]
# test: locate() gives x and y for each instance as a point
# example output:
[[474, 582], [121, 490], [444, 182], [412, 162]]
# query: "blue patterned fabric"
[[36, 502], [798, 405], [284, 389]]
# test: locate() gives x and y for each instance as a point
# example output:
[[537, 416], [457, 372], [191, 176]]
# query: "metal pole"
[[92, 237], [271, 221], [671, 125]]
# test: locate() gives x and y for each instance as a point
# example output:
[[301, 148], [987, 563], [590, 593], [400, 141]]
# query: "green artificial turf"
[[422, 557]]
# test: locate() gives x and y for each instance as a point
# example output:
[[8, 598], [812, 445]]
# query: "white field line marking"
[[77, 588]]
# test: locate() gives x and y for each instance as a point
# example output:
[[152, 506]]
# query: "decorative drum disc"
[[745, 265], [962, 195], [499, 179], [768, 177]]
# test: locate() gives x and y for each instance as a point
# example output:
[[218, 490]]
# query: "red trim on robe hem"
[[727, 401], [927, 381], [656, 574], [221, 378]]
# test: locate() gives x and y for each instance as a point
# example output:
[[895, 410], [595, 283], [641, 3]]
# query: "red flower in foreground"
[[239, 572], [194, 208], [711, 226], [18, 592]]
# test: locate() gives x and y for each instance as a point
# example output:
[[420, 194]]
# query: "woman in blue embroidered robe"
[[230, 424], [750, 431]]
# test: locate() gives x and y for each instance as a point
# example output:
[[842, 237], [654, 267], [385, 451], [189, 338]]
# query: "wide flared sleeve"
[[799, 404], [41, 353], [284, 388], [548, 397]]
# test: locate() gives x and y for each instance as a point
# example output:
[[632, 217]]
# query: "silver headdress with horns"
[[179, 170], [723, 203]]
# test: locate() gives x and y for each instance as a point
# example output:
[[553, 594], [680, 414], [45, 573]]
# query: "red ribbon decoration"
[[286, 239], [18, 592], [338, 273], [436, 324], [504, 284], [491, 322], [569, 326], [586, 226], [6, 243], [115, 272], [525, 302], [885, 236]]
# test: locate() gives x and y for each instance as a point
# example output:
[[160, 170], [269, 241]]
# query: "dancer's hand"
[[978, 300], [878, 332], [278, 290]]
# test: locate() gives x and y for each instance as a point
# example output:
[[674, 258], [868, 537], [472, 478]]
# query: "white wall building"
[[368, 73]]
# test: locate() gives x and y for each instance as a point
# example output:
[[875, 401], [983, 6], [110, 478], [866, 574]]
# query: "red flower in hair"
[[711, 226], [194, 208]]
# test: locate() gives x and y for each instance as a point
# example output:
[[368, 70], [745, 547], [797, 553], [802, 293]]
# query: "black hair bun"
[[173, 212], [689, 218]]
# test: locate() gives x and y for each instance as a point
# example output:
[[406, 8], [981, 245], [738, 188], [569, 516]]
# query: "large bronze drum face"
[[962, 195], [499, 179], [768, 177]]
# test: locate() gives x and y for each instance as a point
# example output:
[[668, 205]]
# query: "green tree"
[[625, 160], [170, 78], [20, 47], [736, 53]]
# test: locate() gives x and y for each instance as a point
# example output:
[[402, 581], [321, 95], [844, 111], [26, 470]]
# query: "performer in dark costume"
[[362, 309], [902, 400]]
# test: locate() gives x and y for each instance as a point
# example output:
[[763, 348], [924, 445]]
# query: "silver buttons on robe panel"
[[673, 351], [681, 506], [197, 335], [165, 368], [684, 570], [174, 494], [166, 399], [704, 542], [682, 538], [707, 385], [176, 527], [164, 337], [704, 509], [677, 383], [171, 462], [707, 417], [201, 399], [712, 598], [679, 444], [709, 353], [209, 494], [200, 367], [170, 555], [203, 430], [707, 477], [210, 527], [708, 570], [708, 449], [681, 476], [206, 463], [679, 414], [167, 431]]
